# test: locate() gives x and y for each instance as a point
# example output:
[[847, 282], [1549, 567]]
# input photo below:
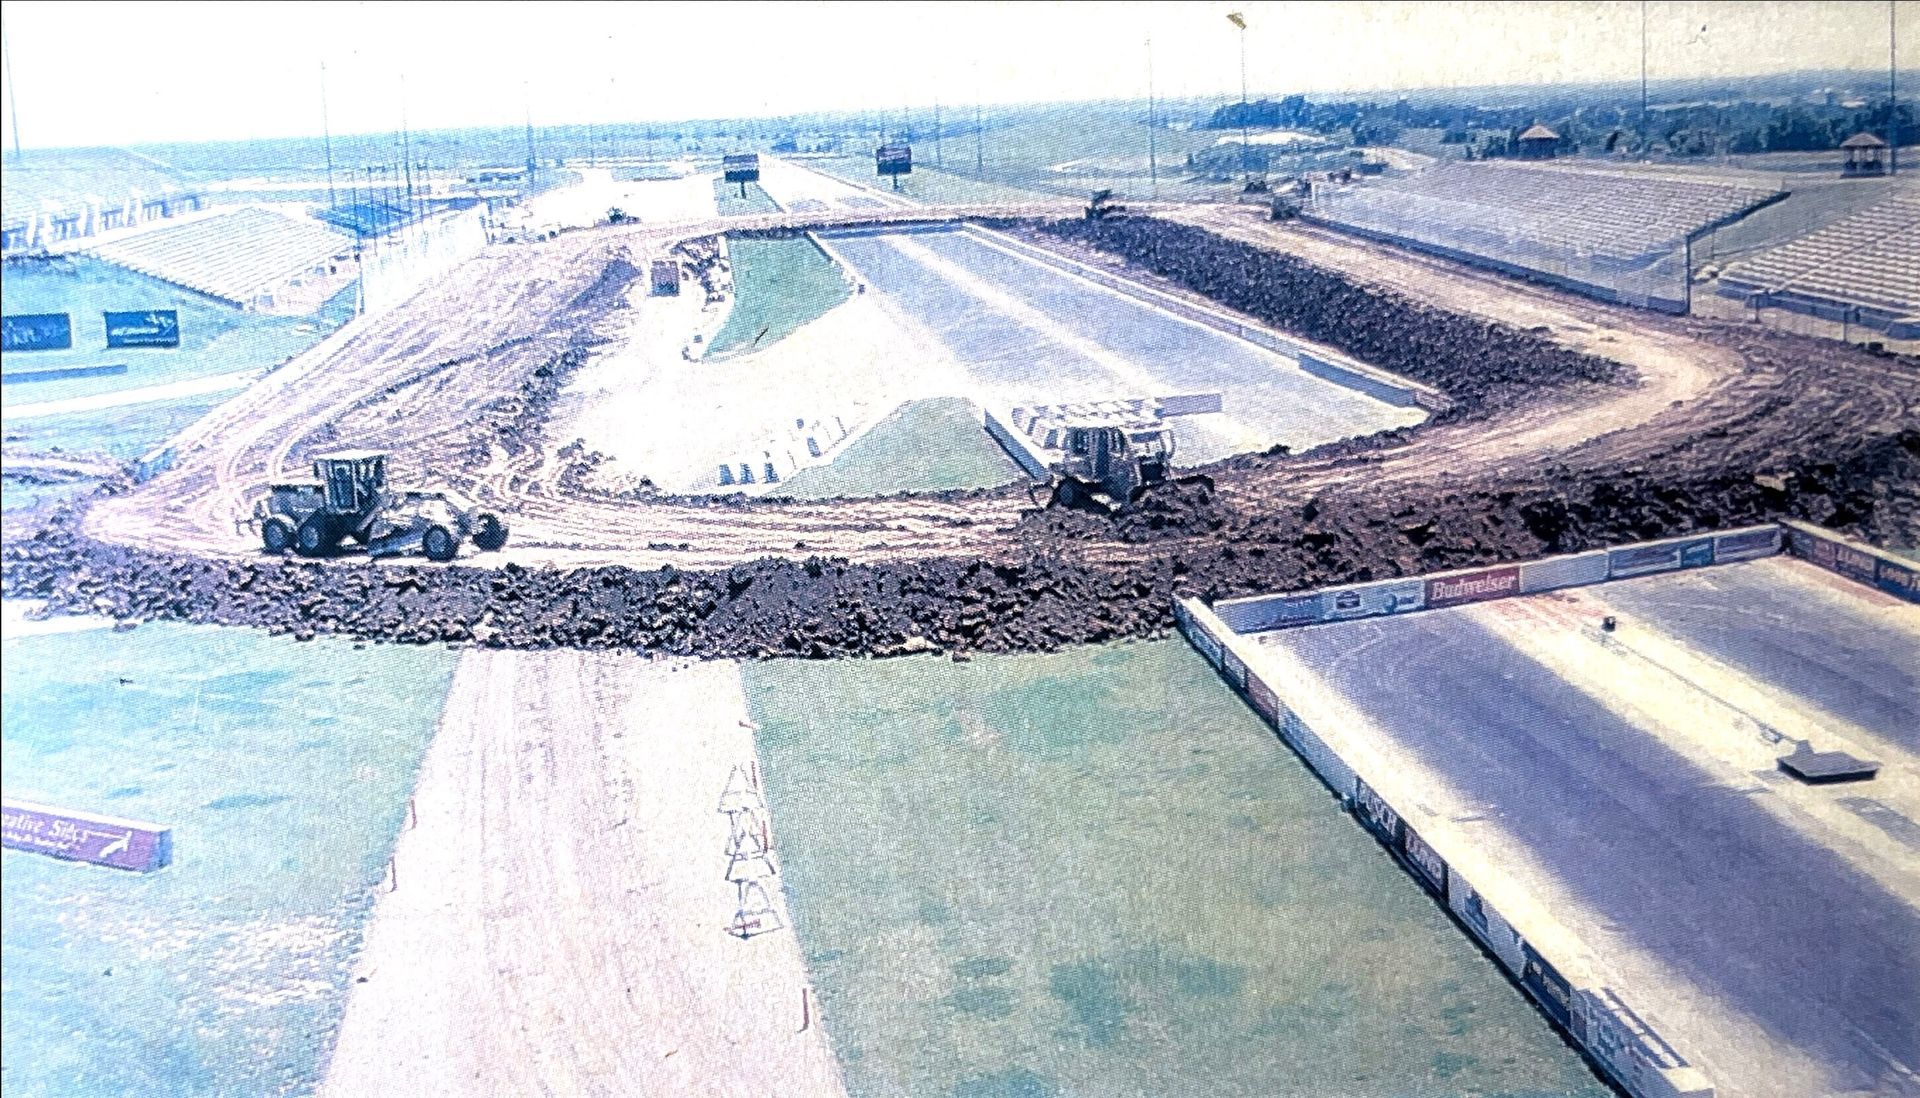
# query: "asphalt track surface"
[[1693, 870], [1851, 665], [1015, 360]]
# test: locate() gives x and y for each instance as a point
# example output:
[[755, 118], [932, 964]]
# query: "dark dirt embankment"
[[821, 608], [1803, 429], [1483, 366]]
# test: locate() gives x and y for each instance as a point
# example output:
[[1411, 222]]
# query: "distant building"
[[1536, 142], [51, 198], [1866, 155]]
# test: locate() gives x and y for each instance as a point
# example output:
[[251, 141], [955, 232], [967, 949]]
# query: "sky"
[[128, 73]]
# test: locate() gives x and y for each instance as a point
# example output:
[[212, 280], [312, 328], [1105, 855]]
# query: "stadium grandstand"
[[1864, 269], [247, 257], [53, 198], [1619, 237]]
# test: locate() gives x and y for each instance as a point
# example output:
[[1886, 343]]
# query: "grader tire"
[[314, 539], [439, 544], [277, 535], [489, 533]]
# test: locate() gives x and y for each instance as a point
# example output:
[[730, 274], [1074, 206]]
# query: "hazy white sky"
[[121, 73]]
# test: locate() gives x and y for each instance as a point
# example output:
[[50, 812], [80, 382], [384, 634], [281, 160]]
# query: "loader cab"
[[296, 498], [1121, 459], [352, 479]]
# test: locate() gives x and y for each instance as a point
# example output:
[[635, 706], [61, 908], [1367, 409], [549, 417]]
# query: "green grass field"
[[923, 446], [778, 286]]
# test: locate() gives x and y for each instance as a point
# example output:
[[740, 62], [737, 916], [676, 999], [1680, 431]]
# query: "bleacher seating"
[[240, 256], [1870, 259], [1625, 216]]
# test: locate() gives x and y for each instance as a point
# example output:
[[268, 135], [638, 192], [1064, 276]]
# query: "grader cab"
[[349, 499]]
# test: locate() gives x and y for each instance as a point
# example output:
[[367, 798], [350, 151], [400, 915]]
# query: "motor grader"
[[349, 499]]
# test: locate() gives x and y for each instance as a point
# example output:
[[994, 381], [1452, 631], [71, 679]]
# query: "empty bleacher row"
[[1869, 260], [240, 256], [1623, 216]]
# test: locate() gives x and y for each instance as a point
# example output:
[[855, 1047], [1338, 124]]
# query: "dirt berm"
[[1797, 428]]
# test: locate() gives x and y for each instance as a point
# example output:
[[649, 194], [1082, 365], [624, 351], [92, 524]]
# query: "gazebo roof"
[[1537, 132], [1863, 140]]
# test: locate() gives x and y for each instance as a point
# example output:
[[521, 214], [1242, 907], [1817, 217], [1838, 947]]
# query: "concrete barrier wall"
[[1599, 1023], [1326, 364], [1855, 560], [1438, 590]]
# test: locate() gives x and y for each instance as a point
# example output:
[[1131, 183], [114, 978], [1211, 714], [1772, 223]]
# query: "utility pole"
[[406, 146], [326, 131], [13, 104], [1893, 97], [526, 95], [1646, 138], [1153, 159], [1246, 143], [937, 161]]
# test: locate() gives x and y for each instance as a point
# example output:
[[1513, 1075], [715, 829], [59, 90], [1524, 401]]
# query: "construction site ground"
[[1616, 793]]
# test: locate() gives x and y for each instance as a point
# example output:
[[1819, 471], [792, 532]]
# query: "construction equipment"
[[1103, 206], [349, 498], [1099, 454]]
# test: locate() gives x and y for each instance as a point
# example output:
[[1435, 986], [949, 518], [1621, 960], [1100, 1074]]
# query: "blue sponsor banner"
[[1696, 554], [1270, 612], [1642, 559], [151, 328], [1746, 545], [1898, 580], [36, 332]]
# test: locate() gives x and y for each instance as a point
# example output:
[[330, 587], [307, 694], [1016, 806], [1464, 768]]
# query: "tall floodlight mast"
[[326, 133], [1153, 160], [1246, 143], [1893, 96], [13, 106], [1646, 137]]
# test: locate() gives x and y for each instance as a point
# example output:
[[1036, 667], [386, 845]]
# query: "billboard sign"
[[1375, 812], [1548, 986], [1899, 580], [1746, 545], [150, 328], [1639, 560], [741, 167], [1431, 866], [85, 837], [1236, 670], [895, 158], [36, 332], [1269, 612], [1372, 599], [1488, 583]]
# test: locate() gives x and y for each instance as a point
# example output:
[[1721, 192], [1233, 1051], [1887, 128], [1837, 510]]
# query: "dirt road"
[[556, 925]]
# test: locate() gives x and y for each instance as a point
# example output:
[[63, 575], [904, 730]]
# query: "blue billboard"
[[36, 332], [150, 328]]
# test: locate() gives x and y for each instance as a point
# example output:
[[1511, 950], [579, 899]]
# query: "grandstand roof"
[[1863, 140], [236, 256], [1537, 132], [70, 179], [367, 218]]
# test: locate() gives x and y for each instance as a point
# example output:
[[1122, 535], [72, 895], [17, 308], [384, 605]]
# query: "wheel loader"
[[1098, 454], [349, 499]]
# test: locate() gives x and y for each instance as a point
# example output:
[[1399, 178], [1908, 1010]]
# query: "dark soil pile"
[[1482, 365]]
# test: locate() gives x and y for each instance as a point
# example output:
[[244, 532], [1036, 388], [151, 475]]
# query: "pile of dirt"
[[818, 608], [1483, 366]]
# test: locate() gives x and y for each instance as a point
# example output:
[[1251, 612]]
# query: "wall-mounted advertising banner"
[[1375, 812], [1265, 612], [151, 328], [36, 332], [1548, 986], [1746, 545], [1465, 587], [741, 167], [1431, 866], [1899, 580], [1666, 556], [85, 837], [893, 159], [1263, 699]]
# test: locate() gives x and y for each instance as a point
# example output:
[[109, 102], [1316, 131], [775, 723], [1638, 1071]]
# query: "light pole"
[[1153, 161], [1246, 164]]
